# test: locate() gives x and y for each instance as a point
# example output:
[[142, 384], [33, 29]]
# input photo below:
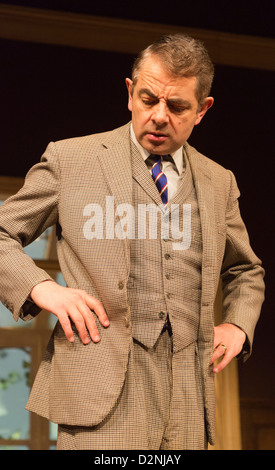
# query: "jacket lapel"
[[115, 160]]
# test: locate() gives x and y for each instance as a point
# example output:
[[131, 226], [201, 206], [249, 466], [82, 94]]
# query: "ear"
[[129, 85], [208, 102]]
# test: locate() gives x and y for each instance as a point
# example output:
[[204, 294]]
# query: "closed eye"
[[178, 107], [147, 97], [149, 102]]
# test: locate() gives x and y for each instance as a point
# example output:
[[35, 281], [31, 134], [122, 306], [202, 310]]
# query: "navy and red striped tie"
[[160, 178]]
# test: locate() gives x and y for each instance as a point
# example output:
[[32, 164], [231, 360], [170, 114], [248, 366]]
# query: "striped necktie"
[[160, 178]]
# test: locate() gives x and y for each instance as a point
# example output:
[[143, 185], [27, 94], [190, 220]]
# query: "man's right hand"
[[75, 304]]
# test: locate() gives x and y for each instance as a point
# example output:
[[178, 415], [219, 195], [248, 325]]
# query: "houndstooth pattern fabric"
[[76, 384], [157, 399]]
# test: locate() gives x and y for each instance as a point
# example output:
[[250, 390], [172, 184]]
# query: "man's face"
[[164, 108]]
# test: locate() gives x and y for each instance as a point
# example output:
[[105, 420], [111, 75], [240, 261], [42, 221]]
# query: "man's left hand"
[[228, 343]]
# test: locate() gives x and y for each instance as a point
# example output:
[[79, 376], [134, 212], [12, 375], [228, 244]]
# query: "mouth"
[[157, 136]]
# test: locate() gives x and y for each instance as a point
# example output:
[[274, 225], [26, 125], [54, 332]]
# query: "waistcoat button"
[[120, 285]]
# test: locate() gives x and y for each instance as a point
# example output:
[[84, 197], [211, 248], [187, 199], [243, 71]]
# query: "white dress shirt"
[[173, 168]]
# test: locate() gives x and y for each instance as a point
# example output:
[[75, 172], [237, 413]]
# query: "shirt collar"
[[177, 156]]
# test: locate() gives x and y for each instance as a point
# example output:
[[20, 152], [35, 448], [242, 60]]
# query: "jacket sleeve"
[[23, 217], [242, 274]]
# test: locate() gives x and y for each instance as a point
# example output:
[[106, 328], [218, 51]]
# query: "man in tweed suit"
[[130, 362]]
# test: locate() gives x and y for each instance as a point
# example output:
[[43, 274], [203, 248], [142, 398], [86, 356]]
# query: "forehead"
[[155, 77]]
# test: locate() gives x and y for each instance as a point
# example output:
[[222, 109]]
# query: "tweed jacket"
[[79, 384]]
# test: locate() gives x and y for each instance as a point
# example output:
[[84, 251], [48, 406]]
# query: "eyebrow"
[[175, 101], [145, 91]]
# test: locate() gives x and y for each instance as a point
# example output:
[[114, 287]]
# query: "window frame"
[[36, 338]]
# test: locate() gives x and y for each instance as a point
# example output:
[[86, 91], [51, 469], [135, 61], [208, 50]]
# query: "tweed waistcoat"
[[165, 272]]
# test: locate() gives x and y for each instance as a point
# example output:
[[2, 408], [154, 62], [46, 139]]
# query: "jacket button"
[[120, 285], [162, 315], [127, 322]]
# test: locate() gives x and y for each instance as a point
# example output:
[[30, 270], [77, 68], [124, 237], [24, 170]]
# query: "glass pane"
[[60, 279], [38, 248], [7, 321], [14, 392], [52, 318], [53, 431], [14, 448]]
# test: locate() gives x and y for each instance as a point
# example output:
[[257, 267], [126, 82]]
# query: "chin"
[[156, 149]]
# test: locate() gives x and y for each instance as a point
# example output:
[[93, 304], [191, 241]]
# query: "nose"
[[160, 114]]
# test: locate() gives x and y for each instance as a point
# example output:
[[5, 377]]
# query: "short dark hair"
[[181, 55]]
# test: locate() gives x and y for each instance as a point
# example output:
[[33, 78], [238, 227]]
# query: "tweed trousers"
[[156, 400]]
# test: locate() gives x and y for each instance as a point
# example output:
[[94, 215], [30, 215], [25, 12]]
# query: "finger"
[[66, 326], [90, 323], [218, 352], [79, 322], [95, 305], [224, 362]]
